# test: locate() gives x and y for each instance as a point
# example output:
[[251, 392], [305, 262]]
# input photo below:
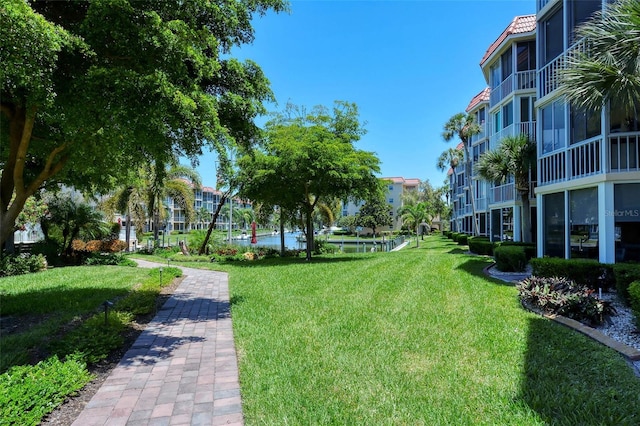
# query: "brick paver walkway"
[[182, 370]]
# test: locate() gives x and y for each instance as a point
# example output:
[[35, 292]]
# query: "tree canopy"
[[375, 213], [92, 89], [309, 158]]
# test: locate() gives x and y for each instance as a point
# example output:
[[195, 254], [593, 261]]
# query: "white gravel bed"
[[621, 326]]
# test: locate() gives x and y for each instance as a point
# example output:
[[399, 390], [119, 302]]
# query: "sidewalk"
[[182, 370]]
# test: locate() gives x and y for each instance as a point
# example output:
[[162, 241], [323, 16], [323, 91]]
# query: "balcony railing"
[[624, 152], [578, 161], [502, 193], [549, 74], [517, 81], [481, 135], [584, 159], [528, 128], [481, 204]]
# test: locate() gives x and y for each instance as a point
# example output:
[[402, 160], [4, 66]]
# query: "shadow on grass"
[[458, 251], [568, 379], [475, 266]]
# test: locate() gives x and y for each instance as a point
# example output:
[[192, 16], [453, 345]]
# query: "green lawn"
[[418, 336]]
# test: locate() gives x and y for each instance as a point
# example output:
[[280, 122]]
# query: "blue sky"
[[408, 65]]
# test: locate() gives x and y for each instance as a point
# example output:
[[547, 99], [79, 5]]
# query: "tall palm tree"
[[609, 70], [413, 215], [203, 216], [464, 126], [177, 182], [515, 156], [450, 158]]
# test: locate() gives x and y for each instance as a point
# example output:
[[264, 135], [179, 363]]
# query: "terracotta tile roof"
[[519, 25], [409, 181], [479, 98]]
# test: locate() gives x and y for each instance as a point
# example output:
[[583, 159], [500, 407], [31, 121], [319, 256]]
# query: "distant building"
[[396, 187]]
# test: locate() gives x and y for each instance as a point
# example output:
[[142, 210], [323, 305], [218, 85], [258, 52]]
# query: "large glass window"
[[627, 221], [584, 223], [554, 239], [507, 114], [623, 120], [526, 56], [495, 79], [581, 11], [481, 116], [585, 124], [553, 37], [553, 127], [507, 64]]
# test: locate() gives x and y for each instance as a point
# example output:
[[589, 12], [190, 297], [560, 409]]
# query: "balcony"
[[481, 135], [481, 204], [624, 152], [578, 161], [503, 193], [522, 80], [549, 75], [528, 128]]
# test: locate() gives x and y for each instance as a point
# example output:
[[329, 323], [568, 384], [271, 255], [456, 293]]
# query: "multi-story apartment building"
[[587, 199], [505, 108], [509, 67], [588, 161], [396, 187]]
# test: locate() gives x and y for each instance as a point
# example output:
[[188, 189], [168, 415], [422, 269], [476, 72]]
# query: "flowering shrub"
[[561, 296]]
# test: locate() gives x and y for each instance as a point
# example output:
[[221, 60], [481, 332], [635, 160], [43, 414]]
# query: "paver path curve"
[[182, 369]]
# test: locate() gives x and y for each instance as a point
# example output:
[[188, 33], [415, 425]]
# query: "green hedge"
[[634, 299], [480, 245], [454, 236], [529, 248], [462, 239], [510, 258], [625, 274], [586, 272]]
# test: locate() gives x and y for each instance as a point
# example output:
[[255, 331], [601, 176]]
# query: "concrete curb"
[[629, 352]]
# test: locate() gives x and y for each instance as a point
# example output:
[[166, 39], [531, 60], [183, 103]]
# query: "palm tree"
[[203, 216], [177, 182], [609, 70], [464, 126], [450, 158], [414, 215], [515, 156], [246, 215]]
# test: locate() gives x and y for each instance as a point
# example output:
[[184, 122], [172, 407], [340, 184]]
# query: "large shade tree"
[[375, 213], [91, 89], [515, 157], [464, 126], [609, 69], [309, 158]]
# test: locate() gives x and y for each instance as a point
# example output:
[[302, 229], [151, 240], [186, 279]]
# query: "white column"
[[540, 239], [606, 223], [517, 222], [567, 225]]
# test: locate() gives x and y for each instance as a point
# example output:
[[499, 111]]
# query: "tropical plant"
[[464, 126], [72, 218], [203, 215], [450, 158], [414, 216], [609, 69], [515, 157]]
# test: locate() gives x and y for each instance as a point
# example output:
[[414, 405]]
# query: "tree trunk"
[[525, 216], [282, 247], [309, 226], [212, 225]]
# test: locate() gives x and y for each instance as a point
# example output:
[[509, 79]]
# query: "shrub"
[[29, 392], [625, 274], [480, 245], [454, 236], [561, 296], [108, 259], [529, 248], [510, 258], [323, 247], [588, 272], [462, 239], [634, 299], [22, 264], [113, 246], [94, 339]]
